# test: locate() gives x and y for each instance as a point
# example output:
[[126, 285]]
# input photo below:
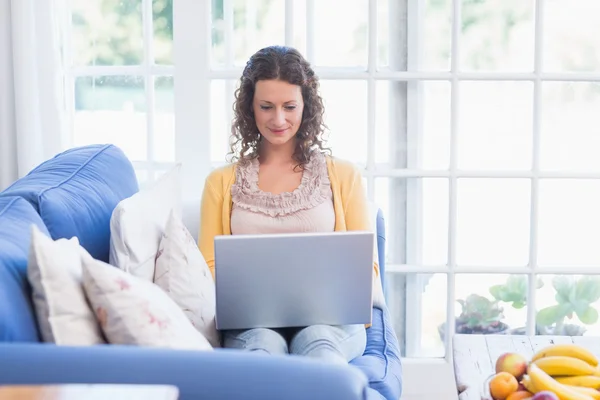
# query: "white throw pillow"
[[133, 311], [183, 274], [138, 222], [63, 312]]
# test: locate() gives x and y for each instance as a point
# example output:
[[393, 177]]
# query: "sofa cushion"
[[17, 318], [134, 311], [76, 191], [381, 359], [63, 313], [138, 222], [183, 274]]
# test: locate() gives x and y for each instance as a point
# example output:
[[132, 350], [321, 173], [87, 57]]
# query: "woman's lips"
[[278, 131]]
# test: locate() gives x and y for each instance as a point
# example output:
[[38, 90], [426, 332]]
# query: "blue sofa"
[[74, 194]]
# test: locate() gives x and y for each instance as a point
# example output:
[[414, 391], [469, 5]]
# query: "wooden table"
[[89, 392], [475, 356]]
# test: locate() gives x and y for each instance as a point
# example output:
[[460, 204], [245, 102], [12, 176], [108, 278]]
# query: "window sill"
[[419, 374]]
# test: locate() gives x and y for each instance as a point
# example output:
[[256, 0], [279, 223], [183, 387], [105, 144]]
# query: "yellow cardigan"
[[349, 203]]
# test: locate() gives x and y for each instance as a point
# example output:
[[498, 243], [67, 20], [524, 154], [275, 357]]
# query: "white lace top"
[[308, 208]]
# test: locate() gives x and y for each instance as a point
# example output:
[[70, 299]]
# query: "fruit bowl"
[[558, 371], [485, 390]]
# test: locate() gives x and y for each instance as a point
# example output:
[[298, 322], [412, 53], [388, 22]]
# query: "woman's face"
[[278, 107]]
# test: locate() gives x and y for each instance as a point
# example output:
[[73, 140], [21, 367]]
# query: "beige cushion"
[[54, 272], [138, 222], [183, 274], [133, 311]]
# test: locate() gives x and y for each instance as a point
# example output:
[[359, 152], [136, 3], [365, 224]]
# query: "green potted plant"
[[514, 291], [573, 297], [479, 315]]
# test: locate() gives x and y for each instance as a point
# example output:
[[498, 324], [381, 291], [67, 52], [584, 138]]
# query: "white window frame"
[[146, 70], [193, 74]]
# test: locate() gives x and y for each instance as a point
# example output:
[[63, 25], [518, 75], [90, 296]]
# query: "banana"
[[526, 381], [565, 366], [569, 350], [542, 381], [588, 381], [593, 393]]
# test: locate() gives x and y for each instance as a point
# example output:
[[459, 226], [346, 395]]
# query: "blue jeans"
[[339, 344]]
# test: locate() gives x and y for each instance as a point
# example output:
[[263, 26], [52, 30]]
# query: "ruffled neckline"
[[314, 188]]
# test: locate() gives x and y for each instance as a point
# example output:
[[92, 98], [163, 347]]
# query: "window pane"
[[424, 297], [426, 117], [495, 125], [221, 115], [143, 178], [107, 32], [493, 303], [111, 109], [162, 11], [164, 119], [569, 123], [416, 217], [569, 223], [346, 117], [567, 305], [497, 35], [256, 24], [431, 39], [571, 32], [436, 32], [493, 222], [345, 42]]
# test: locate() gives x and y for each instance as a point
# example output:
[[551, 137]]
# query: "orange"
[[503, 385], [519, 395]]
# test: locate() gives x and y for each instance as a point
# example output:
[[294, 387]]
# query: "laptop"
[[293, 280]]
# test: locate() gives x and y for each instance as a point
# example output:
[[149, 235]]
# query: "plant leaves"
[[560, 299], [562, 284], [498, 292], [580, 306], [518, 304], [588, 316], [588, 289], [552, 314], [539, 283], [517, 284], [513, 291]]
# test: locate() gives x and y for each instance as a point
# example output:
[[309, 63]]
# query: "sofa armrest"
[[220, 374]]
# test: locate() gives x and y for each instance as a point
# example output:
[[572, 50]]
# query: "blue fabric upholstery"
[[218, 375], [381, 359], [381, 246], [17, 318], [76, 192]]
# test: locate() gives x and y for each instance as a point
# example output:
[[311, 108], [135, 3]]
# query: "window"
[[120, 79], [473, 121]]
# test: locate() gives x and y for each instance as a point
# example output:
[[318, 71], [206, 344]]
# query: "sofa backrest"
[[17, 318], [76, 192]]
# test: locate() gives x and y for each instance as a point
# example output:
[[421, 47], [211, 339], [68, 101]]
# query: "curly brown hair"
[[287, 64]]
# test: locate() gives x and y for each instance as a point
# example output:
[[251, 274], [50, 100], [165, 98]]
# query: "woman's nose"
[[279, 117]]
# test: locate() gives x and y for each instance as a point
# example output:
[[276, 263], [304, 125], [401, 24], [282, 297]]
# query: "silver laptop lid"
[[286, 280]]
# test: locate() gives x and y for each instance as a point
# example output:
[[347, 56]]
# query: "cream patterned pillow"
[[133, 311], [182, 273], [63, 312], [138, 222]]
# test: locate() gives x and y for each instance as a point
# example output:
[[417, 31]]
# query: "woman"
[[283, 181]]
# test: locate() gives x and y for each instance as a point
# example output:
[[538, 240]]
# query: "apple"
[[513, 363], [545, 395]]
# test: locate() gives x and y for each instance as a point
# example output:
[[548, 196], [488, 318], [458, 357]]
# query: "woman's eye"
[[290, 108], [265, 107]]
